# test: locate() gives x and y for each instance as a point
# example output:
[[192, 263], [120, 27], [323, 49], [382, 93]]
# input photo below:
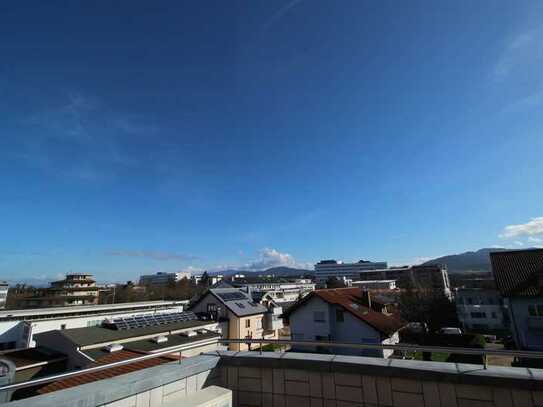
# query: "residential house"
[[519, 278], [480, 309], [245, 319], [345, 315]]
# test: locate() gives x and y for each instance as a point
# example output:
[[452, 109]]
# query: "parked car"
[[450, 331]]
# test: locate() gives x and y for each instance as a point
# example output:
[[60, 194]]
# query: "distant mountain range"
[[468, 261], [277, 271]]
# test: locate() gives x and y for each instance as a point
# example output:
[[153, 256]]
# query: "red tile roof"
[[350, 299], [107, 373]]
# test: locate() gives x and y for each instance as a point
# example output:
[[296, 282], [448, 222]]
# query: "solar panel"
[[231, 296], [142, 321]]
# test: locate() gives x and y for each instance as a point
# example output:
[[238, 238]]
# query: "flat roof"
[[14, 313], [98, 334]]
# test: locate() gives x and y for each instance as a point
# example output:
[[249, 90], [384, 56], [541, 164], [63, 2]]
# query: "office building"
[[326, 269], [161, 278]]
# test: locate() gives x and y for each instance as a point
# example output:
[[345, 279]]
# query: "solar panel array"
[[232, 296], [143, 321]]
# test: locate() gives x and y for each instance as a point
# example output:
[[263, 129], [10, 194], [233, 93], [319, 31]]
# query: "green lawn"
[[436, 356]]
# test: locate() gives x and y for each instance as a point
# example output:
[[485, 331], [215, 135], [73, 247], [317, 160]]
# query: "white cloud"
[[523, 51], [269, 258], [518, 243], [535, 239], [533, 227]]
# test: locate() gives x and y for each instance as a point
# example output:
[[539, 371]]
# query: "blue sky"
[[145, 136]]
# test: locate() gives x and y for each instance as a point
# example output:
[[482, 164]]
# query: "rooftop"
[[350, 299], [237, 301], [29, 312], [100, 334], [518, 272]]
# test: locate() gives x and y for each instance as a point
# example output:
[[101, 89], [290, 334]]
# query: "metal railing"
[[66, 375], [399, 347]]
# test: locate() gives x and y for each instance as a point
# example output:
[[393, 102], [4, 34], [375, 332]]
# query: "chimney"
[[366, 297]]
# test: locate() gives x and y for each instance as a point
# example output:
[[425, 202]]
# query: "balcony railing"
[[281, 344]]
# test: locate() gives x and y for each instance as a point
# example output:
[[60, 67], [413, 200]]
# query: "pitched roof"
[[518, 272], [350, 300], [236, 300], [107, 373]]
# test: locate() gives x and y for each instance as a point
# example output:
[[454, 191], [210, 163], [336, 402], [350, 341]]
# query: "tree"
[[204, 281], [334, 282], [427, 305]]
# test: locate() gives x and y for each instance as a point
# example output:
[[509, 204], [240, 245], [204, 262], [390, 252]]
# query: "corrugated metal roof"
[[518, 272]]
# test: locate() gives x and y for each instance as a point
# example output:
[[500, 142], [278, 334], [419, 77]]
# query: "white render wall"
[[14, 330], [303, 327]]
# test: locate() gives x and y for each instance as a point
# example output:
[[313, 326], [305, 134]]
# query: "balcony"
[[272, 322], [302, 379]]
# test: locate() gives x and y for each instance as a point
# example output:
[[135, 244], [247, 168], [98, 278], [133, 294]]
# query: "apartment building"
[[4, 288], [326, 269], [519, 278], [243, 317], [18, 327], [161, 278], [480, 309], [75, 289], [345, 315], [432, 276]]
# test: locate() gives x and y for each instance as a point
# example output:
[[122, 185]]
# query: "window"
[[535, 310], [63, 326], [318, 316], [339, 315], [211, 307], [470, 300], [494, 315], [478, 314], [258, 324], [247, 323]]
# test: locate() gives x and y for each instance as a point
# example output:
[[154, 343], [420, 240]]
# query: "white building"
[[4, 287], [161, 278], [480, 309], [17, 327], [212, 279], [276, 291], [343, 315], [326, 269]]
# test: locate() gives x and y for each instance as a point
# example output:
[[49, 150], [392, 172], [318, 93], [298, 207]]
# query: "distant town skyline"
[[139, 137]]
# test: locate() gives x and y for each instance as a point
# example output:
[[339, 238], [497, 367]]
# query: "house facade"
[[480, 309], [244, 318], [344, 315], [519, 279]]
